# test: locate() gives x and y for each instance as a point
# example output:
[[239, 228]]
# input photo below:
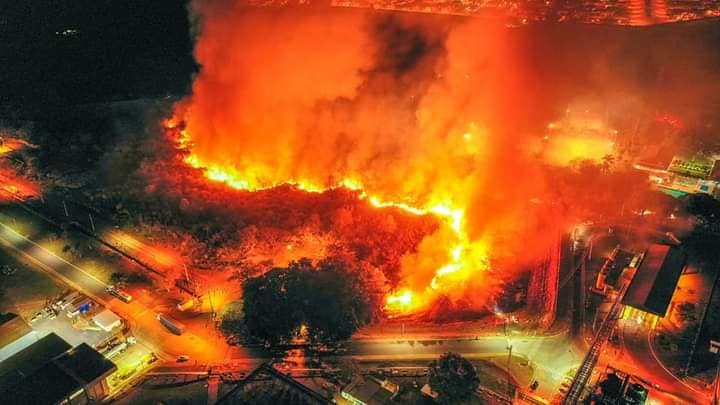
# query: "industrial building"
[[686, 176], [648, 297], [50, 372], [15, 335]]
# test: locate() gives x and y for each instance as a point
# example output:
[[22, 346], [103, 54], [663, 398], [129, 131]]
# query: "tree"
[[324, 300], [686, 312], [121, 278], [703, 241], [704, 207], [268, 311], [453, 377], [611, 386]]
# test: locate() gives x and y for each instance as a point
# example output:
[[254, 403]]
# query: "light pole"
[[509, 348]]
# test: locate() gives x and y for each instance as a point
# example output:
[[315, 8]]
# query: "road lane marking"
[[51, 254]]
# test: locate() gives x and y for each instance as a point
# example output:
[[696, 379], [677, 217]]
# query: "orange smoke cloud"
[[419, 114]]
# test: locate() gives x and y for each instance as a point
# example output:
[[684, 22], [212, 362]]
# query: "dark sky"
[[127, 49], [114, 50]]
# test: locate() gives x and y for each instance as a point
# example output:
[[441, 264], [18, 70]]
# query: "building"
[[107, 320], [50, 372], [15, 335], [648, 297], [428, 392], [369, 391], [613, 267], [265, 385], [618, 387], [688, 176], [704, 354]]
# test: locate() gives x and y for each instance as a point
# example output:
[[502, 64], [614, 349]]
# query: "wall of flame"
[[425, 115]]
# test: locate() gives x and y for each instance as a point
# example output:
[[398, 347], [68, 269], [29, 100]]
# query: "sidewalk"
[[472, 330]]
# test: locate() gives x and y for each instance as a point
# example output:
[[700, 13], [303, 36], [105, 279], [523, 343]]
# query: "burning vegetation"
[[432, 118], [443, 156], [411, 114]]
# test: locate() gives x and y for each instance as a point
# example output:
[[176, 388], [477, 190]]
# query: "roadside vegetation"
[[323, 303], [453, 377]]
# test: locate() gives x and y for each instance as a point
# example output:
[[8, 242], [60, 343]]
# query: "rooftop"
[[652, 287], [28, 360], [368, 391], [267, 385], [12, 327], [85, 363], [49, 371], [107, 320]]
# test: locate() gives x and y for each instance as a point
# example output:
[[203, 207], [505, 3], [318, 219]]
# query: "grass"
[[492, 377], [520, 369], [26, 291]]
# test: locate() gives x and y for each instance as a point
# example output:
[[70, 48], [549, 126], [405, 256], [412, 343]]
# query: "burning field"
[[440, 156], [429, 147], [423, 116]]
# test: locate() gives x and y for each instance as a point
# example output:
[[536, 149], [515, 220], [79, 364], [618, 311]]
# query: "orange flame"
[[464, 257]]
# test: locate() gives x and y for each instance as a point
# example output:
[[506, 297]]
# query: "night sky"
[[115, 50]]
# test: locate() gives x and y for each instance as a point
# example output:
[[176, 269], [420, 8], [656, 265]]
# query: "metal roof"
[[655, 279]]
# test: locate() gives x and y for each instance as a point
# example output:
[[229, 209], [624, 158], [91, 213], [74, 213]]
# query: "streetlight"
[[509, 348]]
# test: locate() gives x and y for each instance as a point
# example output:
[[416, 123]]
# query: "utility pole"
[[509, 348], [509, 373], [716, 385], [92, 224]]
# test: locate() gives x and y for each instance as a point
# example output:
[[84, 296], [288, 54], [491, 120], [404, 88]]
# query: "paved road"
[[551, 357], [141, 314], [48, 260], [637, 344]]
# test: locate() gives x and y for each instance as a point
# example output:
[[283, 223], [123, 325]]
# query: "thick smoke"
[[417, 111], [428, 112]]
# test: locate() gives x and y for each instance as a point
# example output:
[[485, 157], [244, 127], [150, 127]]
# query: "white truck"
[[171, 325]]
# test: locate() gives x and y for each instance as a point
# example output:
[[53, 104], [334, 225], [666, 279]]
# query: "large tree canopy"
[[327, 301], [453, 377], [703, 241]]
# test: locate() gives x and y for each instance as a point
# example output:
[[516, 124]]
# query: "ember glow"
[[578, 136], [416, 115], [463, 258]]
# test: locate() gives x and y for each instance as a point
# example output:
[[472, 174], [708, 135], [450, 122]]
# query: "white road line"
[[658, 361], [52, 254]]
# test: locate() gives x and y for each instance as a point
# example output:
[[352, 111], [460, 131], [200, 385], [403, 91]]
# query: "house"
[[369, 391], [265, 385]]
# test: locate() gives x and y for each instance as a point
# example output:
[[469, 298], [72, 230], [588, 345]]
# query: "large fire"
[[464, 258], [423, 116]]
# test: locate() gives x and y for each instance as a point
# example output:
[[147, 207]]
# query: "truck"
[[67, 298], [71, 303], [171, 325], [184, 306], [119, 294], [79, 307]]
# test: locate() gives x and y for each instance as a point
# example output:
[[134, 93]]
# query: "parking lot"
[[72, 331], [73, 323]]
